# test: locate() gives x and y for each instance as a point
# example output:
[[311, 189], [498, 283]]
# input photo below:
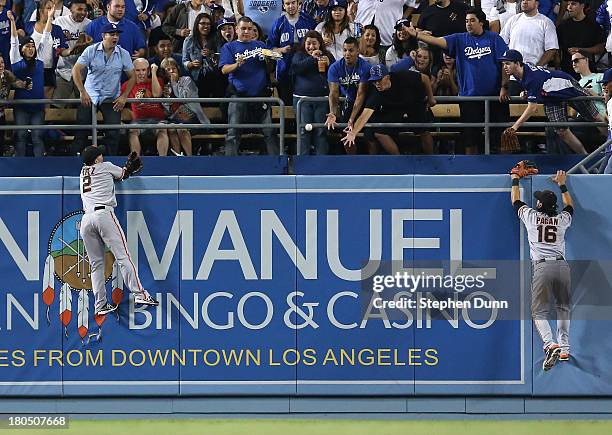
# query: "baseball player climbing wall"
[[278, 285]]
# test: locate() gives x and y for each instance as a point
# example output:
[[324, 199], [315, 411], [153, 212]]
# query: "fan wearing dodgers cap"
[[105, 62], [394, 97], [556, 90], [225, 32], [546, 230]]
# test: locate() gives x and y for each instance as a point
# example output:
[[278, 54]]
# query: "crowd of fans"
[[104, 54]]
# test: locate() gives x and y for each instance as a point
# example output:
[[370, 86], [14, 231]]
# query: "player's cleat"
[[108, 308], [564, 356], [552, 356], [145, 300]]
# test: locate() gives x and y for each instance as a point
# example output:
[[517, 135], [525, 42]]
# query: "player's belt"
[[542, 260], [101, 207]]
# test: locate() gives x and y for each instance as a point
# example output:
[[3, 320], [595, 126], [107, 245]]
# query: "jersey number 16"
[[547, 233]]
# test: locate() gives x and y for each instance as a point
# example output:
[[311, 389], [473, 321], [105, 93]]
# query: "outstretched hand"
[[559, 178]]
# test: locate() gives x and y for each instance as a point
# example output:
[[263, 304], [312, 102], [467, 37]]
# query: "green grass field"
[[331, 427]]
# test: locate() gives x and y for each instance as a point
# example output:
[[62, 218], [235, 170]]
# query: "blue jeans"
[[247, 113], [23, 117], [111, 137], [312, 112]]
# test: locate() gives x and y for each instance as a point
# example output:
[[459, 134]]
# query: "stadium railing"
[[453, 112], [447, 108]]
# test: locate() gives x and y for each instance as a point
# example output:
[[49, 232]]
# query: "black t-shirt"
[[406, 93], [580, 34], [444, 21]]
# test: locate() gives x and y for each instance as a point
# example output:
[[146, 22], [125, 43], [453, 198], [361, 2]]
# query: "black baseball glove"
[[132, 166]]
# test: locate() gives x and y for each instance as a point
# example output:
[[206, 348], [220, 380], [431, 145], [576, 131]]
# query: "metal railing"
[[582, 164], [94, 126], [486, 124]]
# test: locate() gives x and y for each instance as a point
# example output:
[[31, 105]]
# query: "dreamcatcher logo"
[[68, 263]]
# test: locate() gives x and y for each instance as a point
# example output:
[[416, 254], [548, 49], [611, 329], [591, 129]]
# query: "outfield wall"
[[262, 282]]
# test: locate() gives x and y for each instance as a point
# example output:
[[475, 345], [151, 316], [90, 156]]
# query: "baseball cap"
[[607, 77], [222, 22], [90, 154], [26, 40], [547, 198], [402, 22], [511, 56], [215, 6], [110, 28], [337, 4], [377, 72]]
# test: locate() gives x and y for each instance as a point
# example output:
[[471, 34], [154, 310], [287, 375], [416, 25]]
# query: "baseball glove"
[[132, 166], [525, 168], [509, 141]]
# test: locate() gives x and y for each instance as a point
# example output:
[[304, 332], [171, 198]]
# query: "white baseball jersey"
[[72, 30], [546, 234], [531, 36], [97, 185]]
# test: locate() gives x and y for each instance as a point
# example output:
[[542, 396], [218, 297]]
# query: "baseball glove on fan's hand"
[[133, 165], [524, 168], [509, 141]]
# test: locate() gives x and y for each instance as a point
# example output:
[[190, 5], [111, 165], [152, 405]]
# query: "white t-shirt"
[[546, 234], [372, 60], [68, 25], [47, 57], [97, 185], [64, 11], [384, 13], [494, 14], [193, 14], [486, 6], [335, 48], [531, 36]]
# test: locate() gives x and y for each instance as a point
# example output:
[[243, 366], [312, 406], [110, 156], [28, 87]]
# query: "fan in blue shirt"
[[251, 78], [286, 33], [130, 38], [475, 52], [478, 72], [242, 61], [556, 90], [347, 76]]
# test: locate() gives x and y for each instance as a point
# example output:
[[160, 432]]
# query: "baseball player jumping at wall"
[[551, 273], [100, 227]]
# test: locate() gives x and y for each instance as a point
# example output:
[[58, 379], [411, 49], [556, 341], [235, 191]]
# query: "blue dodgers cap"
[[511, 56], [377, 72], [215, 6], [222, 22], [337, 4], [607, 77], [110, 28]]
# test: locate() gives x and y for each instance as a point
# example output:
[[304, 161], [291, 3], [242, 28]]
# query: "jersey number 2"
[[86, 183], [547, 233]]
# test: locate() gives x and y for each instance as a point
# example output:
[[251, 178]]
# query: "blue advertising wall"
[[263, 289]]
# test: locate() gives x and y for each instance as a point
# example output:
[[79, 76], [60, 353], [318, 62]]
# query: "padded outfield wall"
[[266, 283]]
